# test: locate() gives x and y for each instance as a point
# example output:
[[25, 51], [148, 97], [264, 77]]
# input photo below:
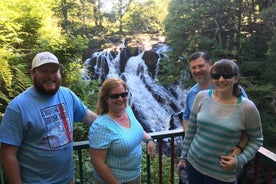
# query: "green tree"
[[28, 27], [146, 17], [78, 17], [224, 29], [13, 81], [268, 69]]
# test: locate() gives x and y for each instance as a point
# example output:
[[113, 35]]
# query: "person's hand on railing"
[[151, 150]]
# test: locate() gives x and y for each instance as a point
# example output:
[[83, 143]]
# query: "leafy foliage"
[[269, 127], [172, 71], [12, 82], [87, 90], [154, 169], [5, 82], [146, 17]]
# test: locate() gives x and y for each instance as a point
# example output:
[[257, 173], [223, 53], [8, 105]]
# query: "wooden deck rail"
[[268, 159]]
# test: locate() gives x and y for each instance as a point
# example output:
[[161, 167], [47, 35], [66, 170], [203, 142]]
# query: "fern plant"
[[13, 82]]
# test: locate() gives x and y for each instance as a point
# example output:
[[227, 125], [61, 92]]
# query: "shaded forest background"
[[242, 30]]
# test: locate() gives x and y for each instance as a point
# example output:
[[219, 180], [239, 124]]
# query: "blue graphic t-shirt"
[[42, 126]]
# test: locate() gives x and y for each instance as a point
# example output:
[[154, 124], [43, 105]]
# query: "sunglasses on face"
[[224, 75], [115, 96]]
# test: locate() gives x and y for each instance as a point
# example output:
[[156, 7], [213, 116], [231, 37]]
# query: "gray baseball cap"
[[45, 58]]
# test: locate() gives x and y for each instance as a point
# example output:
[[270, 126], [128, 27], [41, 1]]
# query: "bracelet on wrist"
[[150, 139], [238, 146]]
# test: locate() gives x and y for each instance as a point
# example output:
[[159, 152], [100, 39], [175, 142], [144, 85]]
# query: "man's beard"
[[40, 88]]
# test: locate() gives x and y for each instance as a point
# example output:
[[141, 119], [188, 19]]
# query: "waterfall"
[[157, 108]]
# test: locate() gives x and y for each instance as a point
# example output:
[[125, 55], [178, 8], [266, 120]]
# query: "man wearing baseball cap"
[[36, 132]]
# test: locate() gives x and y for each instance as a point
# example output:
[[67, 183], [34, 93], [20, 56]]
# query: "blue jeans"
[[195, 177]]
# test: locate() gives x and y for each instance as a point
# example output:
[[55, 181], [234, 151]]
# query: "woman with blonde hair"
[[115, 137]]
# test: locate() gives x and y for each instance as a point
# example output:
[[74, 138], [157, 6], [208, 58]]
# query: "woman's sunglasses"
[[216, 76], [115, 96]]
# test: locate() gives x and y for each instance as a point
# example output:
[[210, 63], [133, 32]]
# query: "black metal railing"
[[1, 176], [162, 138], [264, 161]]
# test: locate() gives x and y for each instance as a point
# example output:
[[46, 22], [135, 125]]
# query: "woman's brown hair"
[[229, 67]]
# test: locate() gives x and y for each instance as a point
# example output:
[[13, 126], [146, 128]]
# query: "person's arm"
[[187, 111], [98, 158], [90, 117], [189, 133], [150, 145], [228, 162], [185, 125], [243, 92], [238, 149], [10, 163], [254, 134]]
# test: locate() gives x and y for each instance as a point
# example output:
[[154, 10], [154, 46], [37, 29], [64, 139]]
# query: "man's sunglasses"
[[115, 96], [216, 76]]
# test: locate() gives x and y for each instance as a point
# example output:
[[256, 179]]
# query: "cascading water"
[[156, 107]]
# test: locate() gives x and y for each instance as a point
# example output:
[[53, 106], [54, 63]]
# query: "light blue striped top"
[[214, 128], [124, 145]]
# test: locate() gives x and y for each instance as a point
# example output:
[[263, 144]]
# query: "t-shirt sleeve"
[[80, 110], [100, 135], [11, 128], [187, 110]]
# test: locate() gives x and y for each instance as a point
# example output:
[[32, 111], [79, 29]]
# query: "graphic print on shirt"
[[57, 121]]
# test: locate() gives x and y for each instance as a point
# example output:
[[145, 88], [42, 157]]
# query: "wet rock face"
[[156, 107], [150, 59], [129, 46]]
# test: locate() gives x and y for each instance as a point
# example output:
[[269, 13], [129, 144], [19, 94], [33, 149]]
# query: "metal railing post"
[[80, 166], [172, 160], [148, 169], [160, 150], [1, 176]]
